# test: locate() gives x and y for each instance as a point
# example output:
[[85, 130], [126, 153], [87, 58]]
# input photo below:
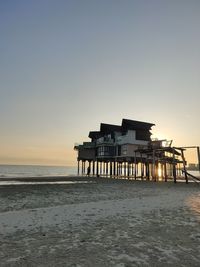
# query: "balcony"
[[128, 139], [85, 145], [105, 140]]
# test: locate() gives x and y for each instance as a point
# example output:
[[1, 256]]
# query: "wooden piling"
[[165, 171], [198, 156], [97, 169]]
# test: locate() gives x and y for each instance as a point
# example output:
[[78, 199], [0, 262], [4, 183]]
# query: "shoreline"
[[85, 177]]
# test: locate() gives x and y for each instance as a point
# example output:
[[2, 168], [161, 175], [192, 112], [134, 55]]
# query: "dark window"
[[119, 150], [105, 151], [143, 135]]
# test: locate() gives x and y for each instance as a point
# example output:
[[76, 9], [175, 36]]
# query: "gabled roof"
[[109, 128], [136, 125]]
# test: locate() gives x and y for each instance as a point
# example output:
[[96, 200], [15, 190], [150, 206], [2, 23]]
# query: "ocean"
[[17, 171], [13, 171]]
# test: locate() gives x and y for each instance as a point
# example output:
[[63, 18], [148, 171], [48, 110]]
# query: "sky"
[[68, 65]]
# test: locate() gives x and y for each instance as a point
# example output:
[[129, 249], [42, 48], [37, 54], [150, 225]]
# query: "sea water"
[[13, 171], [17, 171]]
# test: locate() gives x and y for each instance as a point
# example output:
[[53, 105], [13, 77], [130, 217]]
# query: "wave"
[[10, 171]]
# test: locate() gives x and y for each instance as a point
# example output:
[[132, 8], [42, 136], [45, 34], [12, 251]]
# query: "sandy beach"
[[99, 222]]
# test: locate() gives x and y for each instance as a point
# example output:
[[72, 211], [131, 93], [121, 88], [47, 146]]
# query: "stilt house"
[[128, 151]]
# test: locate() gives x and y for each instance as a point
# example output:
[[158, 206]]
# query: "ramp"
[[194, 178]]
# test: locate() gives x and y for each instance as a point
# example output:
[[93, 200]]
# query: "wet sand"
[[100, 222]]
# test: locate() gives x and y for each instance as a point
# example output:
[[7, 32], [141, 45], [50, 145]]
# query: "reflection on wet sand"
[[193, 203]]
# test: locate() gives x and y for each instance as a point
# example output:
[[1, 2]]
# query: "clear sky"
[[68, 65]]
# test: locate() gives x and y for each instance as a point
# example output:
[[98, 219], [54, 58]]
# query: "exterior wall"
[[105, 151], [130, 138], [86, 154], [105, 140], [108, 138], [117, 134], [143, 135], [129, 150]]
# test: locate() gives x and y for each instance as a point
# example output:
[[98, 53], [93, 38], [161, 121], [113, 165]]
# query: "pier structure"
[[128, 151]]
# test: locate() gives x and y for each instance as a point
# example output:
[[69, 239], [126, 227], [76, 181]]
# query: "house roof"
[[109, 128], [95, 134], [106, 128], [136, 125]]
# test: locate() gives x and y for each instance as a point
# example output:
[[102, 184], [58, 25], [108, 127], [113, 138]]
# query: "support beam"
[[97, 169], [81, 167], [162, 170], [78, 166], [100, 167], [198, 155], [135, 163], [141, 166], [184, 167], [104, 167], [154, 166], [174, 166], [147, 170], [132, 172], [93, 167], [114, 171], [185, 147], [120, 168], [111, 168], [165, 171], [89, 168], [84, 167], [128, 169], [156, 171], [124, 169], [107, 168]]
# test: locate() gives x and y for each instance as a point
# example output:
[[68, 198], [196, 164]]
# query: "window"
[[105, 151], [124, 150]]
